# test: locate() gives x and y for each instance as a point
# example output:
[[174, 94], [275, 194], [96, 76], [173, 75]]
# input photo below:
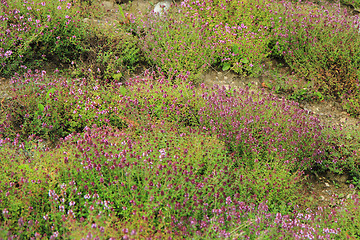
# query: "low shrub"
[[344, 151], [178, 43], [111, 51], [25, 183], [162, 100], [52, 107], [103, 175], [321, 43], [321, 223], [260, 127], [166, 177], [243, 29], [173, 182], [34, 31]]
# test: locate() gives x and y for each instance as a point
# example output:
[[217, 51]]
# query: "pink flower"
[[8, 53]]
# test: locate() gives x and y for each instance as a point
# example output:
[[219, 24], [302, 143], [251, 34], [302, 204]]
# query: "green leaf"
[[117, 76], [41, 108], [245, 60], [123, 91], [51, 91], [277, 88], [235, 49], [158, 110], [25, 167], [121, 12], [226, 66]]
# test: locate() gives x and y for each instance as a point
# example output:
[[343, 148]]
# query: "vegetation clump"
[[85, 154]]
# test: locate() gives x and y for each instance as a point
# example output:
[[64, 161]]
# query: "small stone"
[[107, 6], [328, 192], [327, 185], [162, 7]]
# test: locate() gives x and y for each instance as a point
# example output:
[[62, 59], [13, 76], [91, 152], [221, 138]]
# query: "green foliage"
[[160, 145], [110, 52], [36, 31], [178, 104], [354, 3], [271, 181], [323, 49], [181, 44], [25, 184], [351, 102], [243, 29], [305, 94], [274, 136], [343, 150], [153, 159], [35, 109], [348, 219], [283, 83], [52, 107], [355, 181], [104, 225]]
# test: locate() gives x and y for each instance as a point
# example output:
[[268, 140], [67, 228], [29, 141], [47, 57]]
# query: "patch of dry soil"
[[4, 88]]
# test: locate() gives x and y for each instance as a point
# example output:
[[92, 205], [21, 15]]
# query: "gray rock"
[[162, 7]]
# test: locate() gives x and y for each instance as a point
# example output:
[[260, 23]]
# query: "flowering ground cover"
[[162, 156]]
